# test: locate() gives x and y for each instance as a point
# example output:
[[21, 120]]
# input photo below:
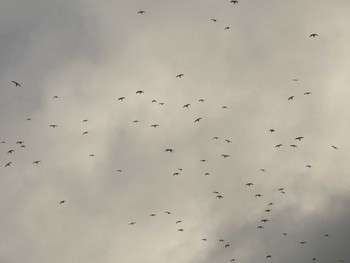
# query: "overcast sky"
[[90, 53]]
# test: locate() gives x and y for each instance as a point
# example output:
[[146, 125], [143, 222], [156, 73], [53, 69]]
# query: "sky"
[[91, 53]]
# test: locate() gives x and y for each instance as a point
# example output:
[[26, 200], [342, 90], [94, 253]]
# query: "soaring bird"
[[20, 142], [233, 260], [53, 125], [153, 101], [293, 145], [85, 132], [284, 234], [271, 130], [227, 245], [153, 215], [180, 229], [178, 222], [234, 2], [268, 256], [10, 151], [224, 107], [203, 160], [197, 120], [121, 98], [204, 239], [249, 184], [186, 105], [291, 98], [176, 174], [141, 12], [16, 83], [55, 97], [86, 120], [139, 92], [313, 35], [227, 28], [169, 150], [302, 242], [201, 100], [307, 93], [119, 171], [62, 202], [154, 125], [8, 164], [167, 212], [28, 119], [91, 155], [216, 192], [267, 210], [36, 162], [308, 166], [263, 170], [213, 19], [221, 240], [215, 138], [132, 223], [180, 75], [334, 147], [228, 141], [271, 203], [294, 79], [219, 196], [207, 174], [313, 259], [260, 227], [278, 145], [225, 155], [299, 138], [161, 103], [136, 121], [264, 220], [258, 195], [280, 189]]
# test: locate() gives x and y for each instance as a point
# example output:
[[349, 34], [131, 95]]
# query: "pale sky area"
[[73, 60]]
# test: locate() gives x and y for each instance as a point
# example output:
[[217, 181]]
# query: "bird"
[[233, 259], [178, 222], [221, 240], [271, 203], [55, 97], [299, 138], [207, 174], [154, 125], [313, 35], [53, 126], [197, 120], [180, 75], [334, 147], [225, 155], [284, 234], [271, 130], [201, 100], [219, 196], [291, 98], [258, 195], [268, 256], [20, 142], [294, 79], [85, 132], [278, 145], [224, 107], [167, 212], [204, 239], [119, 171], [121, 98], [180, 229], [36, 162], [267, 210], [28, 119], [176, 174], [62, 202], [186, 105], [141, 12], [153, 101], [280, 189], [308, 166], [213, 19], [263, 170], [139, 92], [169, 150], [136, 121], [264, 220], [8, 164], [227, 28], [215, 138], [10, 151], [16, 83], [307, 93], [249, 184], [153, 215], [228, 141], [227, 245], [203, 160], [161, 103], [216, 192], [260, 227], [132, 223], [313, 259], [293, 145], [86, 120], [326, 235], [91, 155], [302, 242], [234, 2]]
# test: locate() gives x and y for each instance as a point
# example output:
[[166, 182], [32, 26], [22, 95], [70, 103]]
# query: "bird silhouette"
[[141, 12], [180, 75], [227, 28], [36, 162], [121, 98], [278, 145], [8, 164], [225, 155], [154, 125], [219, 196], [186, 105], [234, 2], [85, 132], [139, 92], [132, 223], [299, 138], [213, 19], [62, 202], [228, 141], [180, 229], [291, 98], [10, 151], [227, 245], [307, 93], [334, 147], [169, 150], [313, 35], [16, 83], [178, 222], [53, 125], [271, 130], [197, 120], [249, 184]]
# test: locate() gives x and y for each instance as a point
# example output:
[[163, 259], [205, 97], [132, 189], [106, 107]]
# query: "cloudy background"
[[90, 53]]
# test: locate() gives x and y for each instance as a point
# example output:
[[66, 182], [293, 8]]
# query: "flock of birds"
[[217, 194]]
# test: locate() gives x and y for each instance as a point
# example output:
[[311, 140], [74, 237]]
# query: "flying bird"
[[227, 28], [213, 19], [225, 155], [308, 166], [10, 151], [215, 138], [154, 125], [8, 164], [85, 132], [186, 105], [132, 223], [219, 196], [291, 98], [307, 93], [227, 245], [85, 120], [278, 145], [121, 98], [180, 229], [139, 92], [293, 145], [302, 242], [62, 202], [314, 35], [169, 150], [178, 222], [334, 147], [234, 2], [299, 138], [268, 256], [197, 120], [167, 212], [153, 215], [141, 12], [249, 184], [228, 141], [16, 83], [271, 130], [258, 195], [180, 75], [36, 162], [201, 100], [53, 126]]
